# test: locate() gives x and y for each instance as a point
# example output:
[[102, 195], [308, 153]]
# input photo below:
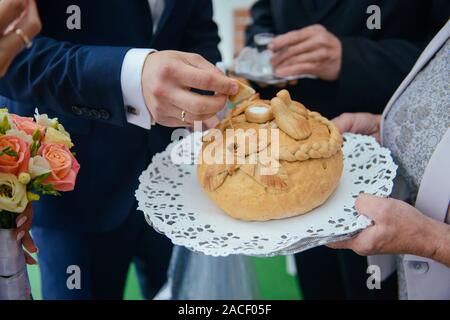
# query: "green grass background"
[[274, 282]]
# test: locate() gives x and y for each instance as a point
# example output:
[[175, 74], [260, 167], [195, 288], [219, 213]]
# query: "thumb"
[[219, 81], [370, 206]]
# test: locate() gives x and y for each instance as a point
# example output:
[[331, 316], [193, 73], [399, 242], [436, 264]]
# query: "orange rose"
[[63, 164], [27, 125], [14, 164]]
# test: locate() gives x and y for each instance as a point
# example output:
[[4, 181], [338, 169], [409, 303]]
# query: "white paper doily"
[[174, 204]]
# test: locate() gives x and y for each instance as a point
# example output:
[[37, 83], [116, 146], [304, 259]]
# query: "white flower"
[[38, 166], [13, 194], [20, 134], [55, 131], [44, 120], [63, 130], [54, 136]]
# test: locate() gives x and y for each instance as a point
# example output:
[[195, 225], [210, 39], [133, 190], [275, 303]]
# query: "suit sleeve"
[[201, 35], [261, 13], [373, 69], [69, 79]]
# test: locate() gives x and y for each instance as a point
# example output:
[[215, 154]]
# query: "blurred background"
[[232, 16], [276, 277]]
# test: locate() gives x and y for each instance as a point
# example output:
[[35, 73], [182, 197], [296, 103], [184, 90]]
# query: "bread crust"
[[244, 92], [309, 171]]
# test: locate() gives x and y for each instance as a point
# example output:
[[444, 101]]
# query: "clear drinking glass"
[[264, 67], [262, 40]]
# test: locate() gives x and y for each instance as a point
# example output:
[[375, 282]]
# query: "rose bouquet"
[[35, 160]]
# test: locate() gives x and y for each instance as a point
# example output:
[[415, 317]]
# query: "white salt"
[[258, 110]]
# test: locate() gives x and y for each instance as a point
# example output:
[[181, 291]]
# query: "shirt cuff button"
[[132, 110]]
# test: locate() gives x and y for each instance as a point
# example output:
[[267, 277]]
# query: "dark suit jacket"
[[75, 75], [374, 61]]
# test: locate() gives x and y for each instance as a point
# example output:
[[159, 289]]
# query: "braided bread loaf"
[[286, 166]]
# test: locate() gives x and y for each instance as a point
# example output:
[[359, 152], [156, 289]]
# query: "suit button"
[[86, 112], [95, 114], [419, 267], [104, 114], [77, 110]]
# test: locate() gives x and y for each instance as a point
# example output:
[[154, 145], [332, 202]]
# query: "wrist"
[[132, 87], [442, 248], [437, 241], [146, 81], [145, 67]]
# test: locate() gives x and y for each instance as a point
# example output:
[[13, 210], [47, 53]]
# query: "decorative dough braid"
[[323, 149]]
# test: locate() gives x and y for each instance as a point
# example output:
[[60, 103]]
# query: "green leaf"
[[8, 151], [44, 189], [51, 193], [4, 125], [34, 148], [36, 135], [41, 178]]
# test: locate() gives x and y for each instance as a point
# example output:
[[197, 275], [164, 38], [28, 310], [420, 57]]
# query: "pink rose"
[[14, 164], [27, 125], [63, 164]]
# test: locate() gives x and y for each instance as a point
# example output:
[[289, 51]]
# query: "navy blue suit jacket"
[[75, 75], [374, 62]]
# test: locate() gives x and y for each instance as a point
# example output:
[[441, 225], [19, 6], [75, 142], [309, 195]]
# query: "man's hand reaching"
[[167, 81]]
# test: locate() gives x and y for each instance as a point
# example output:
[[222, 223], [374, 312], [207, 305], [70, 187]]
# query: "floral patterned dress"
[[415, 125]]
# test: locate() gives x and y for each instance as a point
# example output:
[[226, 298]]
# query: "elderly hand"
[[16, 14], [167, 80], [22, 233], [362, 123], [312, 50], [398, 228]]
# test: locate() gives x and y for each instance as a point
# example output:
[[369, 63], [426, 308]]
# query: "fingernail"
[[20, 235], [234, 89], [21, 221]]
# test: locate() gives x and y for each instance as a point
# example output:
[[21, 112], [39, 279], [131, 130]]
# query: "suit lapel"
[[170, 4]]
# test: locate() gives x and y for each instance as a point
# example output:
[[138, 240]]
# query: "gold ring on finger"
[[24, 38], [183, 115]]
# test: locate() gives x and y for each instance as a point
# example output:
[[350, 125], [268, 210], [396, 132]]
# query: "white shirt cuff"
[[130, 79]]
